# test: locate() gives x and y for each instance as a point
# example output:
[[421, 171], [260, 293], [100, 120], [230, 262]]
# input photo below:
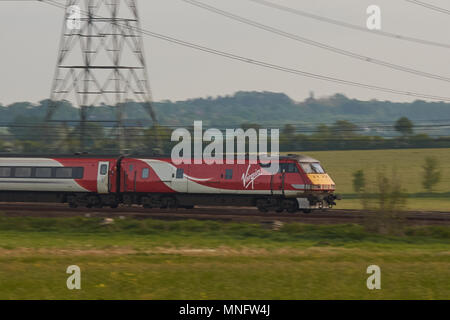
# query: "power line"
[[273, 66], [429, 6], [349, 25], [316, 43]]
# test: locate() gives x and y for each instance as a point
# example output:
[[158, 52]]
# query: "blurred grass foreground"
[[153, 259]]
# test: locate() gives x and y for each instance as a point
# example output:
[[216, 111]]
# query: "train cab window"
[[22, 172], [317, 168], [229, 174], [5, 172], [289, 167], [63, 173], [307, 167], [145, 173], [313, 167], [43, 173], [180, 173], [103, 169]]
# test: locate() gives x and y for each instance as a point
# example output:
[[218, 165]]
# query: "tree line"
[[26, 135]]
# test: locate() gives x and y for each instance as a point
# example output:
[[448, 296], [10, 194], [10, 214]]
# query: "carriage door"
[[179, 181], [103, 177]]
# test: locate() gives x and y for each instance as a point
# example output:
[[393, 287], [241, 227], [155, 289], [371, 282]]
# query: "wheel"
[[172, 204], [292, 210], [262, 209], [292, 206], [279, 210], [168, 202], [146, 202], [306, 210]]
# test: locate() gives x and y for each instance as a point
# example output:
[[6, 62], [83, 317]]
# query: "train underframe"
[[306, 202]]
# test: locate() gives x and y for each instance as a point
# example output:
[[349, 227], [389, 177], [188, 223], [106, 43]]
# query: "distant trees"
[[431, 173], [245, 126], [288, 138], [344, 135], [344, 129], [359, 181], [150, 143], [26, 128], [404, 126], [25, 131]]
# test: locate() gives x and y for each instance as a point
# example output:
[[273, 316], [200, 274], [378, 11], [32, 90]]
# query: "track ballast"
[[230, 214]]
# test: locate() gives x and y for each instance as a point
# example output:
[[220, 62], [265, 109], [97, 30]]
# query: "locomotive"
[[156, 182]]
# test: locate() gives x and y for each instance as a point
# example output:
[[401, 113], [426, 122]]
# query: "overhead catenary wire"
[[316, 44], [429, 6], [347, 25], [271, 65]]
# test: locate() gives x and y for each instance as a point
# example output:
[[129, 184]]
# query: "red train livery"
[[301, 183]]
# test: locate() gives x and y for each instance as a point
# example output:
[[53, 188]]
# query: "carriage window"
[[131, 168], [43, 172], [145, 173], [289, 167], [22, 172], [180, 173], [5, 172], [63, 172], [229, 174], [103, 169], [78, 173]]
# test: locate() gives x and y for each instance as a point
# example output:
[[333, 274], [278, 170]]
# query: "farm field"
[[412, 204], [150, 259], [407, 164]]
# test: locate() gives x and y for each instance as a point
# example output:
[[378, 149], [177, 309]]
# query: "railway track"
[[332, 216]]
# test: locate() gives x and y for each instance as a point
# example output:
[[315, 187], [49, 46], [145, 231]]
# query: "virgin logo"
[[249, 179]]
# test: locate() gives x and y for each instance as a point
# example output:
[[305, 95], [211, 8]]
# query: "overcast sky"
[[30, 31]]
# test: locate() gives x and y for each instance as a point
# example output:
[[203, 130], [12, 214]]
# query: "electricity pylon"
[[101, 61]]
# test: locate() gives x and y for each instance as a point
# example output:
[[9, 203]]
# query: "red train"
[[300, 184]]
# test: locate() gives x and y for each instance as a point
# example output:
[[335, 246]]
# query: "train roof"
[[300, 158]]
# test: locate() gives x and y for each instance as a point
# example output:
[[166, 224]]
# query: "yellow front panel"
[[320, 179]]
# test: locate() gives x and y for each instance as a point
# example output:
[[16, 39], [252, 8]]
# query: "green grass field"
[[152, 259], [407, 164]]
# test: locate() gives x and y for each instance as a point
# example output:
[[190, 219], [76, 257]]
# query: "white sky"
[[30, 31]]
